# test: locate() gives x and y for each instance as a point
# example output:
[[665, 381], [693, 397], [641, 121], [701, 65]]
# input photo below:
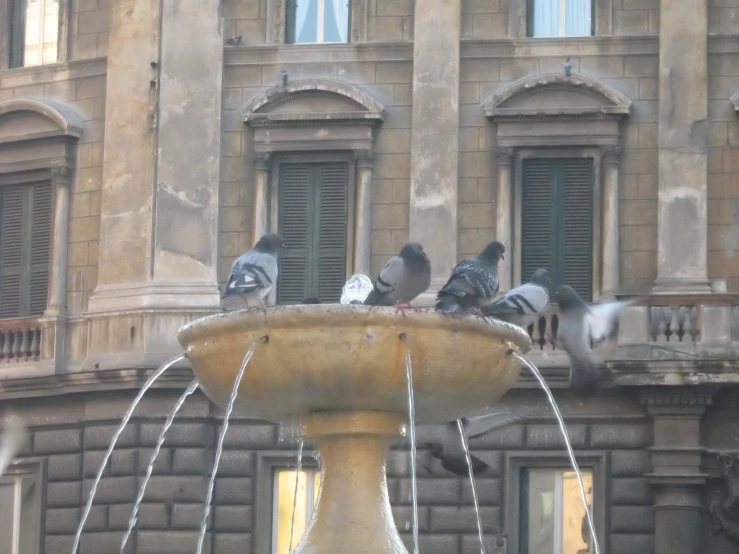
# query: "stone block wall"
[[723, 16], [88, 29], [635, 17]]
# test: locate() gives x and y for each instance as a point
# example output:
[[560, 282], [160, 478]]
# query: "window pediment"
[[312, 102], [555, 95], [28, 119]]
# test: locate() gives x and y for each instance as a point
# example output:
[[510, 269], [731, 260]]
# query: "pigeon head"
[[413, 251], [542, 277], [493, 252], [567, 298], [311, 300], [270, 243]]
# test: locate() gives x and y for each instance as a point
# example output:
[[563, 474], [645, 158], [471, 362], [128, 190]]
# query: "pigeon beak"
[[283, 247], [502, 256]]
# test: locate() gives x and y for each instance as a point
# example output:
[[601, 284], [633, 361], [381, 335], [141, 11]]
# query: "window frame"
[[521, 154], [290, 23], [37, 468], [266, 464], [62, 38], [278, 21], [562, 12], [518, 460]]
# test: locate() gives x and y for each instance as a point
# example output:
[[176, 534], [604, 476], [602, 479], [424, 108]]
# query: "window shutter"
[[290, 10], [17, 18], [295, 212], [12, 201], [40, 248], [577, 226], [538, 228], [329, 267]]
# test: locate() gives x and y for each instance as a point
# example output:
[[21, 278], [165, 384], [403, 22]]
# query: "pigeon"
[[473, 282], [451, 450], [356, 289], [581, 327], [11, 442], [254, 274], [402, 279], [311, 300], [523, 305]]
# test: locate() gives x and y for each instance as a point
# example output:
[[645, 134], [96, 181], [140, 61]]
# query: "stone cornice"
[[689, 402], [53, 72]]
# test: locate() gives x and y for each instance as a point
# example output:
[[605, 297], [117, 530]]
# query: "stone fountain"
[[341, 371]]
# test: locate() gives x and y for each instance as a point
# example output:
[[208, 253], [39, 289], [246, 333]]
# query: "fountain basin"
[[342, 371], [335, 358]]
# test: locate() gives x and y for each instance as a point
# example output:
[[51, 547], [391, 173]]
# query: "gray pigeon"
[[450, 451], [254, 274], [356, 289], [11, 441], [311, 300], [473, 282], [402, 279], [580, 328], [523, 305]]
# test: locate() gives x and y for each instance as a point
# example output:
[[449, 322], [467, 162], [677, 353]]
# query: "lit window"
[[560, 18], [553, 519], [282, 509], [317, 21], [20, 510], [34, 33]]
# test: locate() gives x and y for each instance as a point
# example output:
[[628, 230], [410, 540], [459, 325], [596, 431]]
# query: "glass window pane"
[[7, 516], [30, 520], [546, 18], [306, 21], [336, 21], [283, 507], [578, 18], [575, 533]]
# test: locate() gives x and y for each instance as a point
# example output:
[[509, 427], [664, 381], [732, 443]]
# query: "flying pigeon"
[[254, 274], [402, 279], [356, 289], [473, 283], [11, 442], [523, 305], [581, 327], [451, 451], [311, 300]]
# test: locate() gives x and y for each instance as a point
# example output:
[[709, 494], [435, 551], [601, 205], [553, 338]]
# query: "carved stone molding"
[[61, 174], [261, 161], [612, 154], [504, 155], [677, 401], [364, 158]]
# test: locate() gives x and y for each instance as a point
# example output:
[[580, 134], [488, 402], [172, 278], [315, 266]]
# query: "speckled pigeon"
[[523, 305]]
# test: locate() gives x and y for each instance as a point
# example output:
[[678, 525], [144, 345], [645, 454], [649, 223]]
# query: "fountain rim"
[[295, 316]]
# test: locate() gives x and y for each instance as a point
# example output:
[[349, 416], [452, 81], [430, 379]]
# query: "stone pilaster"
[[159, 214], [261, 195], [611, 222], [435, 135], [504, 210], [363, 224], [676, 467], [683, 147]]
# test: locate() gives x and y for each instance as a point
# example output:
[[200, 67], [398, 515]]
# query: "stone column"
[[363, 223], [261, 195], [611, 222], [435, 135], [61, 181], [676, 468], [504, 211], [682, 257]]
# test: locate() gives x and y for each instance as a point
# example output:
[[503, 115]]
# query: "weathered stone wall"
[[635, 17], [723, 16], [88, 29]]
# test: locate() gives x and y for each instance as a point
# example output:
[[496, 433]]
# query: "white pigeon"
[[581, 327], [356, 289], [11, 442], [523, 305], [402, 279], [255, 273]]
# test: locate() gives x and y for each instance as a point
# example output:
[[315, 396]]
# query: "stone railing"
[[20, 340]]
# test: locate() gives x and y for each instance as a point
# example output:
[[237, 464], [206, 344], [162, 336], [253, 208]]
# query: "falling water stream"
[[167, 424], [298, 469], [113, 442], [466, 448], [412, 432], [566, 437], [219, 449]]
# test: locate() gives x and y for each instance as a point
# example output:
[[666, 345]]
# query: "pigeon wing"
[[388, 281], [253, 271], [602, 319], [520, 304]]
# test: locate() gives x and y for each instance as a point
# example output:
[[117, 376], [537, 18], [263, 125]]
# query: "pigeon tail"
[[585, 378]]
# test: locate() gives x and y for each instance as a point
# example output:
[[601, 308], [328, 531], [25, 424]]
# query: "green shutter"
[[557, 225], [577, 226], [329, 260], [17, 24], [25, 237], [313, 206], [295, 213]]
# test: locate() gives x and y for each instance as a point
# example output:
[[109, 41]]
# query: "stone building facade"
[[144, 145]]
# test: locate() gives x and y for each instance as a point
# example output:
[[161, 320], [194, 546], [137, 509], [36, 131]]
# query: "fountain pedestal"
[[353, 511]]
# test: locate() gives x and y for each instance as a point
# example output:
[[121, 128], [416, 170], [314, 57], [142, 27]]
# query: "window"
[[557, 226], [317, 21], [25, 235], [560, 18], [20, 510], [552, 517], [34, 32], [312, 219], [284, 498]]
